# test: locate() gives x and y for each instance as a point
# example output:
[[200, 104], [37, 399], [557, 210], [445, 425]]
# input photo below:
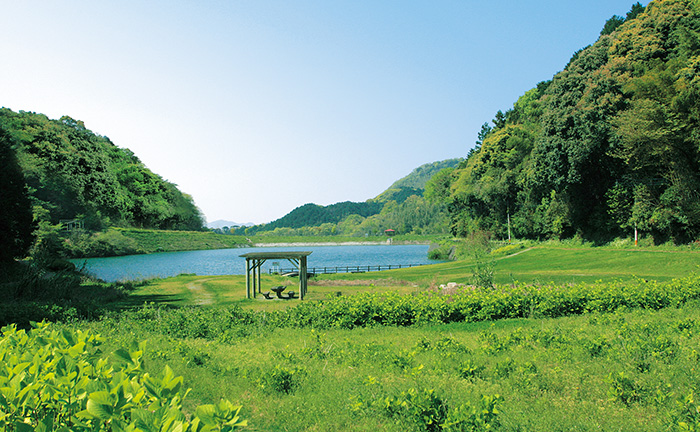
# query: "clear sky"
[[257, 107]]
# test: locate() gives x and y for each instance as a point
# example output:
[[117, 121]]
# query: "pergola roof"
[[275, 255]]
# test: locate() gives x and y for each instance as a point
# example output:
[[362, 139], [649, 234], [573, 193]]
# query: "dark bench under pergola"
[[255, 260]]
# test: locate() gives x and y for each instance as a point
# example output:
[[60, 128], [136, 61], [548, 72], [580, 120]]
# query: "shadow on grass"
[[134, 301], [32, 294]]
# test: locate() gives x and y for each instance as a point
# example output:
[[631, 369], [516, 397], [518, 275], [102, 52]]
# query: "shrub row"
[[392, 309], [479, 304]]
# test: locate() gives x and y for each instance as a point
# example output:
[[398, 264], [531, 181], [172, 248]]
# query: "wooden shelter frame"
[[255, 260]]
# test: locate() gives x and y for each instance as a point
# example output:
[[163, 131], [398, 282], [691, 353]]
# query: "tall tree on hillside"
[[16, 221]]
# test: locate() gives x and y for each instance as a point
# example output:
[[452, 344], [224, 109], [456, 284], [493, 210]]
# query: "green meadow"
[[530, 265], [569, 339]]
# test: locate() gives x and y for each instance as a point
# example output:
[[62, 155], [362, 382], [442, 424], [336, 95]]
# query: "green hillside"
[[72, 173], [315, 215], [414, 183], [608, 146], [400, 207]]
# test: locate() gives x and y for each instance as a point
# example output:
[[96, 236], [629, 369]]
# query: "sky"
[[257, 107]]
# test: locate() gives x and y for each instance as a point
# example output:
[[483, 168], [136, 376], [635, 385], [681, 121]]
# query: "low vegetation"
[[58, 380], [393, 351], [632, 369]]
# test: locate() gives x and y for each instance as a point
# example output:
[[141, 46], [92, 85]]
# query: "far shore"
[[350, 243]]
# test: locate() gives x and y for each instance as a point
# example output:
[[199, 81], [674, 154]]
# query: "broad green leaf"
[[23, 427], [207, 413], [99, 405], [124, 356], [76, 349]]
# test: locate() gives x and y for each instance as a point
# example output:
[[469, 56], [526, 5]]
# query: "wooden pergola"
[[255, 260]]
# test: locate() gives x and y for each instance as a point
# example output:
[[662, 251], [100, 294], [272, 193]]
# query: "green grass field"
[[627, 369], [541, 264]]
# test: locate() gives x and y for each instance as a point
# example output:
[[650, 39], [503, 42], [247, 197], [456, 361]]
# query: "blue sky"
[[257, 107]]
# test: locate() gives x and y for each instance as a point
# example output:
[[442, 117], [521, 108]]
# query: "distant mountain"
[[312, 215], [414, 183], [420, 176], [224, 223]]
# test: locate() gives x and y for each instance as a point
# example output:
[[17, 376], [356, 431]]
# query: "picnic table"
[[278, 290]]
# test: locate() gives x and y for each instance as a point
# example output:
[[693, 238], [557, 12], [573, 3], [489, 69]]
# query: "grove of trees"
[[609, 145], [73, 173]]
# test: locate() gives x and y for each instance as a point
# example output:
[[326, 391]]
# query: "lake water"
[[229, 262]]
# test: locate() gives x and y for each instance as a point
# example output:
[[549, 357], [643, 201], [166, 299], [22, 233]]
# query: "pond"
[[229, 262]]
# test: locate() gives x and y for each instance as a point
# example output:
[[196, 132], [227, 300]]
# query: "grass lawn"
[[629, 370], [541, 264]]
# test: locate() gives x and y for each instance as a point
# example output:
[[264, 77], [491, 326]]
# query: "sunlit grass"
[[629, 370], [542, 264], [555, 264], [553, 374]]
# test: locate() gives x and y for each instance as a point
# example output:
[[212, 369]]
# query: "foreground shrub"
[[425, 410], [482, 303], [57, 380], [230, 323]]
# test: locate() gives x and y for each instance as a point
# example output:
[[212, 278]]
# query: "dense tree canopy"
[[16, 222], [609, 144], [74, 173]]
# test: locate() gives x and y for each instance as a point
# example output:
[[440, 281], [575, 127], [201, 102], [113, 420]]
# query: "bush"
[[442, 252], [56, 380], [479, 304], [101, 244]]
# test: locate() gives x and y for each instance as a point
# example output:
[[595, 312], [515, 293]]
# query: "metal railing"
[[345, 269]]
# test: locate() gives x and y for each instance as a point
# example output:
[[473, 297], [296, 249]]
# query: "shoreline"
[[350, 243]]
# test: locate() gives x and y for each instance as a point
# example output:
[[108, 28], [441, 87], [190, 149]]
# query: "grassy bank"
[[172, 241], [263, 239], [539, 265], [150, 241]]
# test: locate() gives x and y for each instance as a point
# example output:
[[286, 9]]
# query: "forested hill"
[[414, 183], [610, 144], [398, 208], [310, 215], [73, 173]]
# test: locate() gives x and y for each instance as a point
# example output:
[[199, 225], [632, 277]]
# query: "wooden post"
[[247, 278], [302, 277], [257, 276], [255, 279]]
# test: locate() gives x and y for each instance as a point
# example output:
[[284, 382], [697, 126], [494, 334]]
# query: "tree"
[[16, 221], [609, 144], [71, 171], [616, 21], [612, 24]]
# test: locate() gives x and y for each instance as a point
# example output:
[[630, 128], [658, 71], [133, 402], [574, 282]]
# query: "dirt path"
[[514, 254], [201, 296]]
